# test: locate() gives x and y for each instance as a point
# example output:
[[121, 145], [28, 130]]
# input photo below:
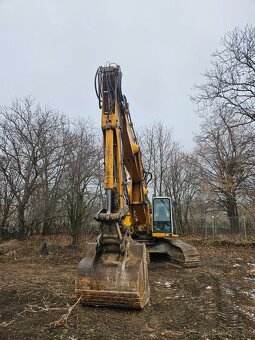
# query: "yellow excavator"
[[114, 271]]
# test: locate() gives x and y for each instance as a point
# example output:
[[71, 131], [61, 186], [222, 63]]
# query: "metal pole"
[[215, 228], [108, 200], [244, 227]]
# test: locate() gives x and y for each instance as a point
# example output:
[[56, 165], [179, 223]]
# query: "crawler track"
[[178, 251]]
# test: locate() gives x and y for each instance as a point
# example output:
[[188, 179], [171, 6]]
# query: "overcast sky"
[[50, 49]]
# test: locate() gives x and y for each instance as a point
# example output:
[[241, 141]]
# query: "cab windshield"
[[161, 215]]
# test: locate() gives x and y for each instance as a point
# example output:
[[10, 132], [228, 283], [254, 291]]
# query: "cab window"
[[161, 215]]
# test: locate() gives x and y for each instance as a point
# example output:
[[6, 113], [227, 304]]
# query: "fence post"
[[215, 227], [244, 227]]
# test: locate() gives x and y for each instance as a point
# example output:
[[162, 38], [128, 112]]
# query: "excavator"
[[114, 271]]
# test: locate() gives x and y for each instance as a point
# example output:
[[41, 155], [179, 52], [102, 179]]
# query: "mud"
[[214, 301]]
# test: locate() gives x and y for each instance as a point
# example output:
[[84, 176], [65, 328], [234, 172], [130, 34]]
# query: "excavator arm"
[[122, 154], [114, 271]]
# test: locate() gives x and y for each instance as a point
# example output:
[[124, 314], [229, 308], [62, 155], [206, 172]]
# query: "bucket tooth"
[[107, 280]]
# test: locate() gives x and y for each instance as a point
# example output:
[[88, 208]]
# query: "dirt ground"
[[214, 301]]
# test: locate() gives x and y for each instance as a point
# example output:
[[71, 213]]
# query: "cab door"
[[162, 217]]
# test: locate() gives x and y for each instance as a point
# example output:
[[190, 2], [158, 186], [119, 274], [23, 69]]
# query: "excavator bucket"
[[108, 279]]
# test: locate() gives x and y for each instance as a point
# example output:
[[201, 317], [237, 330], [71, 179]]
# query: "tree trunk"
[[46, 226], [5, 214], [21, 220], [76, 230], [178, 219], [232, 212], [76, 217], [186, 220]]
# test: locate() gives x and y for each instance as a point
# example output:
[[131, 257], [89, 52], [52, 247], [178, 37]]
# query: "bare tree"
[[81, 186], [182, 184], [25, 134], [230, 83], [156, 145], [7, 207], [56, 149], [173, 171], [226, 161]]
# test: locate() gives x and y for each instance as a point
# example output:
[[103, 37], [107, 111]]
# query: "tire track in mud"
[[188, 301], [230, 320], [206, 306]]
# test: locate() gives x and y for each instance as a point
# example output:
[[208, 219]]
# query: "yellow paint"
[[135, 148], [127, 221], [145, 190], [129, 190], [160, 234], [108, 169], [120, 147], [108, 121]]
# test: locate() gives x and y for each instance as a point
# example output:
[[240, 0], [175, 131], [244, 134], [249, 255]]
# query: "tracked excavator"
[[114, 271]]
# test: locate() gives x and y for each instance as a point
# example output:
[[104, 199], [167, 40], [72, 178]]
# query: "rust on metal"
[[108, 279]]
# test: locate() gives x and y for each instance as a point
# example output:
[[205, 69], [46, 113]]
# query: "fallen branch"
[[6, 324], [38, 309], [64, 318], [30, 309]]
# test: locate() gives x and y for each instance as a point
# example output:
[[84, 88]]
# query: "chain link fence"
[[219, 227], [209, 226]]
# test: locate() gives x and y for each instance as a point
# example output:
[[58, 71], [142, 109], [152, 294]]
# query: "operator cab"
[[162, 217]]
